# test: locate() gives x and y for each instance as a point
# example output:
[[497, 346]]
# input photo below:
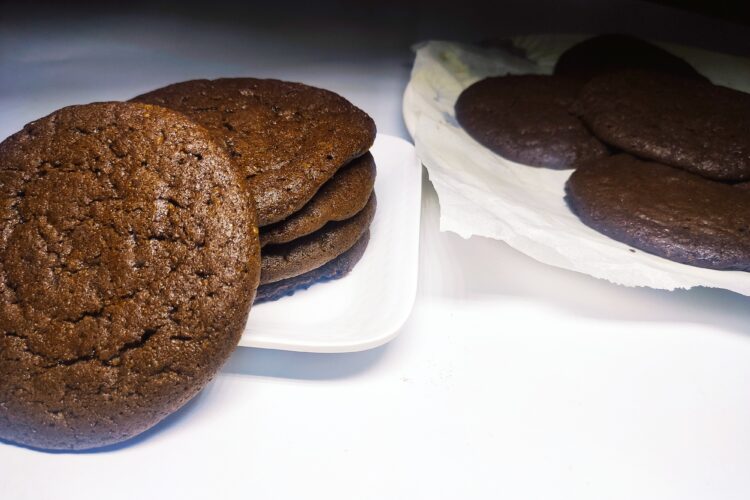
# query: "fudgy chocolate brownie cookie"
[[606, 53], [335, 269], [340, 198], [287, 138], [690, 124], [123, 289], [528, 119], [302, 255], [664, 210]]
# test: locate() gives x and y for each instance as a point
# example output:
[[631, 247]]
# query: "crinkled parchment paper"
[[484, 194]]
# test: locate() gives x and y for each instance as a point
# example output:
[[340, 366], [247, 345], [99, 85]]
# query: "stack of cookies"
[[130, 244], [303, 151], [662, 156]]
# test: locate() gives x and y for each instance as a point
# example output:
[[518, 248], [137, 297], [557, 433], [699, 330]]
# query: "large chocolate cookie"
[[287, 138], [341, 198], [528, 119], [300, 256], [665, 211], [694, 125], [607, 53], [335, 269], [122, 287]]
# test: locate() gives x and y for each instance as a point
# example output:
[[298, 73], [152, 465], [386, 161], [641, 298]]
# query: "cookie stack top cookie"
[[287, 138]]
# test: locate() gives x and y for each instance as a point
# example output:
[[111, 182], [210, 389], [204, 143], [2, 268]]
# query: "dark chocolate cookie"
[[287, 138], [528, 119], [340, 198], [335, 269], [122, 288], [690, 124], [664, 210], [302, 255], [607, 53]]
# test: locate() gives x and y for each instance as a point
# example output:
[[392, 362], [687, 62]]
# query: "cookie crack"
[[75, 361], [172, 202], [109, 362], [140, 342], [29, 350], [97, 313]]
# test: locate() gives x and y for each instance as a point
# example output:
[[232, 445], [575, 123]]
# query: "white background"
[[511, 379]]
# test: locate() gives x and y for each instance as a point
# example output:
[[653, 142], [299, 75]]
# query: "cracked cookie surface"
[[287, 138], [128, 263]]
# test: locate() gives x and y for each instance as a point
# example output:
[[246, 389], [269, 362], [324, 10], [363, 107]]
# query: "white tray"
[[366, 308]]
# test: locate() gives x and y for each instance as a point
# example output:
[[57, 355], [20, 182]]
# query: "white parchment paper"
[[484, 194]]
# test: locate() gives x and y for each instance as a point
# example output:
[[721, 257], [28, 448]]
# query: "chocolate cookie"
[[300, 256], [287, 138], [335, 269], [528, 119], [341, 198], [664, 210], [690, 124], [122, 287], [607, 53]]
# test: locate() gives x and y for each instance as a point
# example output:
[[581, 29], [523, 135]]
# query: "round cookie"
[[280, 262], [664, 211], [607, 53], [122, 287], [340, 198], [689, 124], [287, 138], [335, 269], [528, 119]]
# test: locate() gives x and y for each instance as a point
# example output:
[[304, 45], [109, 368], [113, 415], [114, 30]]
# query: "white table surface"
[[511, 379]]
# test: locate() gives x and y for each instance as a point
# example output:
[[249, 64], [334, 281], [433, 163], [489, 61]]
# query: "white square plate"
[[366, 308]]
